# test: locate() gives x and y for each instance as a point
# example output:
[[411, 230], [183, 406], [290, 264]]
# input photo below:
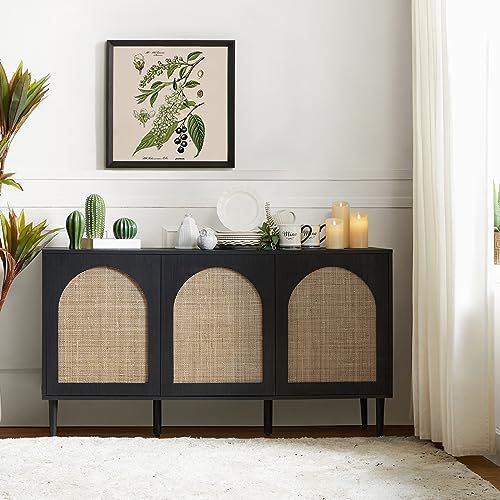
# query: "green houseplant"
[[20, 241]]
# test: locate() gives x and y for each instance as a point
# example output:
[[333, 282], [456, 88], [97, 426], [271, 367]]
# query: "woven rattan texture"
[[103, 329], [218, 329], [331, 329]]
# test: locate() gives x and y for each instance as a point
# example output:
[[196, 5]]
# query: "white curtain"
[[453, 378]]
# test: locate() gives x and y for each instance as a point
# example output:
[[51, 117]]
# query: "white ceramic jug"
[[188, 233]]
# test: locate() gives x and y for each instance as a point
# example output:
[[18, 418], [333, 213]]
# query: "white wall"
[[323, 106]]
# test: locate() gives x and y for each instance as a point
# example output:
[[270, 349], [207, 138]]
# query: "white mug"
[[284, 217], [292, 235], [315, 237]]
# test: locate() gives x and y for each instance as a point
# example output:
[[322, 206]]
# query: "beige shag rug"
[[344, 468]]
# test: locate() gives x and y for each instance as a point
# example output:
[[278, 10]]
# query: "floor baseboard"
[[212, 431]]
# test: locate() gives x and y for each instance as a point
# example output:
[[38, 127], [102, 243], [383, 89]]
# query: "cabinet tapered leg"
[[363, 403], [380, 416], [53, 403], [268, 417], [157, 417]]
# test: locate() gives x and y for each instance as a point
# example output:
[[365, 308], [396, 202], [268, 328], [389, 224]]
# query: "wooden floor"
[[479, 465]]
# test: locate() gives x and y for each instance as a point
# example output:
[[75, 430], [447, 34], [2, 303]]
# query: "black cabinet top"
[[221, 251]]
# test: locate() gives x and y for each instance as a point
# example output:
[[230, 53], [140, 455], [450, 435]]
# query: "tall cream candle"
[[334, 233], [341, 210], [358, 232]]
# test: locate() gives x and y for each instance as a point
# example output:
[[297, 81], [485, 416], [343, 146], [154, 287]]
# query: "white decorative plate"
[[240, 209]]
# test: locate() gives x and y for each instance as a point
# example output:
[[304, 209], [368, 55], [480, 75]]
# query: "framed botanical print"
[[170, 104]]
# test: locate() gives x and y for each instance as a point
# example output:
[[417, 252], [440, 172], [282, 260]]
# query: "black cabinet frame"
[[161, 272]]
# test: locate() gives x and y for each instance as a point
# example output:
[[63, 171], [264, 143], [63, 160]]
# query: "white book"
[[110, 243]]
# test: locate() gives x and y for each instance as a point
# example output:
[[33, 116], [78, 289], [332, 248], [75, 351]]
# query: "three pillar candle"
[[346, 230]]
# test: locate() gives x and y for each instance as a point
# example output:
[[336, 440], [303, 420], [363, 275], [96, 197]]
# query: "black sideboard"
[[161, 324]]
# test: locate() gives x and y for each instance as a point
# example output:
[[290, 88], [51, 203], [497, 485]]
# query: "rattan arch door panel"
[[332, 328], [333, 324], [217, 329], [102, 329], [101, 325], [219, 333]]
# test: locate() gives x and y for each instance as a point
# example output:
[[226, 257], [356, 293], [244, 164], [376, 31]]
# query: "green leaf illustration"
[[171, 68], [148, 141], [196, 130], [141, 98], [183, 71], [187, 104], [193, 55], [191, 84], [157, 137], [153, 99], [155, 84], [175, 84]]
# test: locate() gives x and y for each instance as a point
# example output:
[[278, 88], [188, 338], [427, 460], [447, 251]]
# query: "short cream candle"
[[341, 210], [358, 231], [334, 233]]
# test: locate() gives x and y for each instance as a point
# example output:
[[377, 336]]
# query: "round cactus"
[[95, 215], [124, 229], [75, 227]]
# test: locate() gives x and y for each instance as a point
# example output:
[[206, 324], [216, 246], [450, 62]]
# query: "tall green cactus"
[[75, 226], [95, 216], [124, 229]]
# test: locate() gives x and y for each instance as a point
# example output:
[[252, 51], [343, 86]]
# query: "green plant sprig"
[[268, 232]]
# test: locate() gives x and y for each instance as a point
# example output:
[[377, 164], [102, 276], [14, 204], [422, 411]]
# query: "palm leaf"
[[19, 97], [4, 99], [20, 243], [6, 179]]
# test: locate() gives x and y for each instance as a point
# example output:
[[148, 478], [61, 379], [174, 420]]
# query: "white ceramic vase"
[[187, 236]]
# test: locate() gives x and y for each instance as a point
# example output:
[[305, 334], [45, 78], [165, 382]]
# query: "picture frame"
[[170, 104]]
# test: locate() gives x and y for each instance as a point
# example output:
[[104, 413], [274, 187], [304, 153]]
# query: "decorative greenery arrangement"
[[95, 216], [176, 114], [18, 98], [75, 227], [20, 242], [269, 231], [124, 229]]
